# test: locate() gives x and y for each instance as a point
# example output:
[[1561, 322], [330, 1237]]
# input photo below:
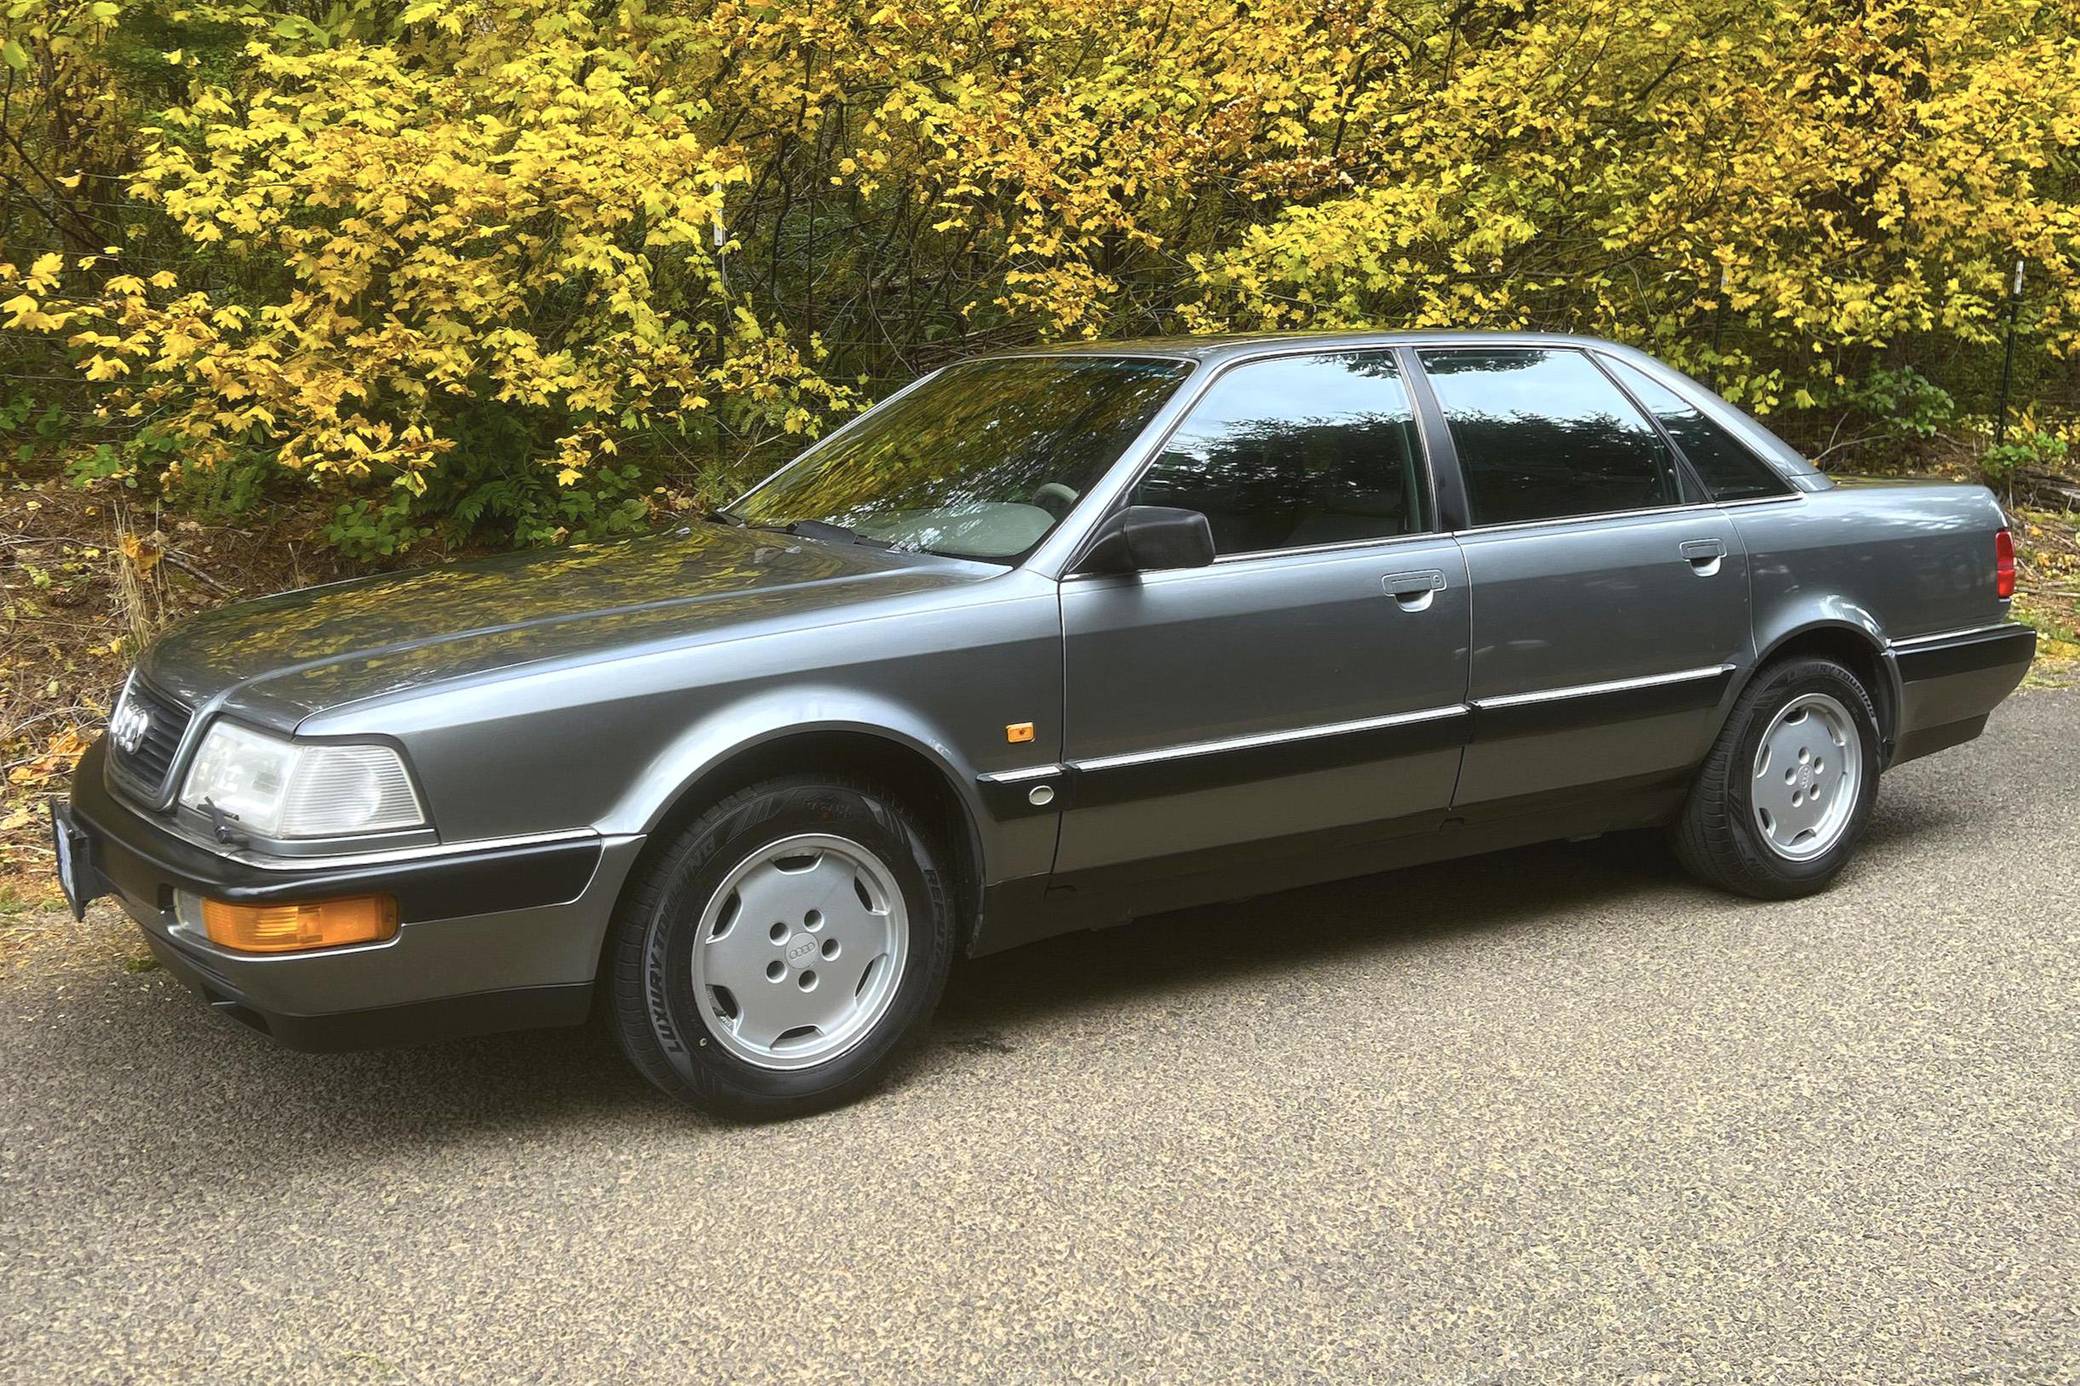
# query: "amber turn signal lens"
[[286, 928]]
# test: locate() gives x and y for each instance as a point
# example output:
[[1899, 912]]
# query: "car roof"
[[1226, 345], [1243, 345]]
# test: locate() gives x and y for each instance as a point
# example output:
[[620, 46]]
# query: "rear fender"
[[1831, 619]]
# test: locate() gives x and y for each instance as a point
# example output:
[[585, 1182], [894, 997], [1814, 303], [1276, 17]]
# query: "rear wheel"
[[776, 957], [1786, 791]]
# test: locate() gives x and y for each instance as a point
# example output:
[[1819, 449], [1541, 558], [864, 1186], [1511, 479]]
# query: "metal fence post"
[[1719, 322], [2000, 415]]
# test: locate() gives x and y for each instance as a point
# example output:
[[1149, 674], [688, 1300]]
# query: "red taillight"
[[2003, 564]]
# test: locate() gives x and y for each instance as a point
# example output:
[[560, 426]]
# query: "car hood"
[[286, 656]]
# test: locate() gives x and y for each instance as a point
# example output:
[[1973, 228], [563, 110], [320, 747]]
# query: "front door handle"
[[1414, 591], [1703, 555]]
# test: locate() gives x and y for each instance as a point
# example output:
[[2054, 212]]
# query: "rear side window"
[[1543, 434], [1729, 470], [1297, 452]]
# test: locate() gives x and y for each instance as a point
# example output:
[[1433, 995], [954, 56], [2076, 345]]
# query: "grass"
[[2047, 554]]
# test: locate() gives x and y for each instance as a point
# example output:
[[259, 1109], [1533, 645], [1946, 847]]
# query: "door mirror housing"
[[1150, 538]]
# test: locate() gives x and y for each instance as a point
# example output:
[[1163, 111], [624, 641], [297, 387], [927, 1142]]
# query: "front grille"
[[144, 769]]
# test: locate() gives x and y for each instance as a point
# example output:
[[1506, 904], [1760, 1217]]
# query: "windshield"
[[981, 461]]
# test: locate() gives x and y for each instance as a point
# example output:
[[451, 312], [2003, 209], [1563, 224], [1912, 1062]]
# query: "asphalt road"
[[1553, 1115]]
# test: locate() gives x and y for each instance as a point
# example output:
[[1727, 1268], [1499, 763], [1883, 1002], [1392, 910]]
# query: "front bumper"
[[502, 936]]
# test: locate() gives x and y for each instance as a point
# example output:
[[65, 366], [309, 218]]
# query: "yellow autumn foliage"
[[515, 260]]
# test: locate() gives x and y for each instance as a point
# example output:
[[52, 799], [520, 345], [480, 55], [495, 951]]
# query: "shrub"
[[507, 265]]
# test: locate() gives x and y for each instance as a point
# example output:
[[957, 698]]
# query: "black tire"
[[1717, 838], [652, 1009]]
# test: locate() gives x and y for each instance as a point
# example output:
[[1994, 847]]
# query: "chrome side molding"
[[1031, 772], [1247, 743], [1913, 641], [1590, 690]]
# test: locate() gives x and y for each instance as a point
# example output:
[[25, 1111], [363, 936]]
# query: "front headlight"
[[280, 789]]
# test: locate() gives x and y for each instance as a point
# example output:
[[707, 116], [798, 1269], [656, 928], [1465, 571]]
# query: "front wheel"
[[775, 957], [1788, 786]]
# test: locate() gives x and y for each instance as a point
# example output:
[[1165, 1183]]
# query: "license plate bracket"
[[77, 875]]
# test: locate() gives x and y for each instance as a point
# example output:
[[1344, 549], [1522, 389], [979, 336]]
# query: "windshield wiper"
[[824, 529], [720, 516]]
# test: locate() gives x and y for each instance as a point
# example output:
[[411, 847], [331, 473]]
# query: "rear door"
[[1311, 681], [1610, 600]]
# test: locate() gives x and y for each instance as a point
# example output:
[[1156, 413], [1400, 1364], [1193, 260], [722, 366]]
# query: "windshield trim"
[[1091, 353], [736, 506], [1185, 382]]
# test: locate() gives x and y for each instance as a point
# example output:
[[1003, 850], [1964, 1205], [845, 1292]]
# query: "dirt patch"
[[2047, 560], [38, 935], [87, 577]]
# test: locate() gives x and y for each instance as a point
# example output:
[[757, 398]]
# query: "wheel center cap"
[[1806, 777], [801, 950]]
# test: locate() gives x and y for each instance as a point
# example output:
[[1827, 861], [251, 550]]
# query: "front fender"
[[1014, 848]]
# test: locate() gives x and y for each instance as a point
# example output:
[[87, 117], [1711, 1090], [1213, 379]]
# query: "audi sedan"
[[1046, 640]]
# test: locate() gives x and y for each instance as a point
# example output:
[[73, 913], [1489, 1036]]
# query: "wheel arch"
[[1856, 648], [903, 765]]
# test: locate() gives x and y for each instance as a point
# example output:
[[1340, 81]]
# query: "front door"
[[1312, 680], [1610, 601]]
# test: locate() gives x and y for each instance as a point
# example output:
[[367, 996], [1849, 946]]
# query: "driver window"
[[1297, 452]]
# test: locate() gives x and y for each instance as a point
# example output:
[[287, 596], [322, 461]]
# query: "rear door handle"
[[1413, 591], [1703, 555]]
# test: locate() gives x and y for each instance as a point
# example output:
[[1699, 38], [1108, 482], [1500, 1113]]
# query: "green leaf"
[[15, 56]]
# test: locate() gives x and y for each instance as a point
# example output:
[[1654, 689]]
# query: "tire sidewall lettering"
[[674, 1018]]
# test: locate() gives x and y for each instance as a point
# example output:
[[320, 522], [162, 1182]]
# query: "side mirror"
[[1149, 538]]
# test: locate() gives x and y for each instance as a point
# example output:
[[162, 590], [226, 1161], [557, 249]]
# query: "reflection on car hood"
[[299, 652]]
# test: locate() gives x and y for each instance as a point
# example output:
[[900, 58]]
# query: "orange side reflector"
[[1015, 732], [285, 928]]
